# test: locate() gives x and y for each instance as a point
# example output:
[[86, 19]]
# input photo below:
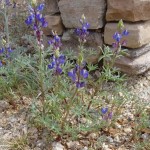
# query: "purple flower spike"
[[56, 64], [104, 110], [36, 21], [82, 32], [117, 37], [77, 75], [55, 42]]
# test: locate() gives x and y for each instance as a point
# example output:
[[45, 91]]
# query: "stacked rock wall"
[[63, 16]]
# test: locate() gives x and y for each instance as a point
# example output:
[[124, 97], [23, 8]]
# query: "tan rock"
[[138, 34], [94, 39], [45, 41], [51, 7], [70, 41], [134, 66], [129, 10], [133, 53], [71, 11], [55, 24]]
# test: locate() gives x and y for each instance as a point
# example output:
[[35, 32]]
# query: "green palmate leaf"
[[92, 67]]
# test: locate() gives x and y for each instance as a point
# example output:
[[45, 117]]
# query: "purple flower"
[[84, 73], [125, 32], [56, 64], [9, 50], [2, 50], [104, 110], [29, 20], [118, 38], [6, 51], [72, 75], [36, 21], [7, 2], [40, 7], [80, 84], [82, 33], [110, 115], [55, 42], [52, 65], [35, 18], [106, 114], [1, 64], [77, 74]]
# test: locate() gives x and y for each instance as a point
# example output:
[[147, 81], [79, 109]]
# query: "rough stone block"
[[70, 41], [51, 7], [129, 10], [72, 10], [138, 34], [134, 66], [55, 24]]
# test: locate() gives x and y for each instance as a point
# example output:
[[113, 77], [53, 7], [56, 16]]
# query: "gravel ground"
[[13, 125]]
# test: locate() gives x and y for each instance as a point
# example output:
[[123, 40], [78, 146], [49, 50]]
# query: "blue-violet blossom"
[[58, 59], [82, 33], [5, 53], [118, 38], [55, 42], [57, 62], [106, 114], [77, 74], [36, 20]]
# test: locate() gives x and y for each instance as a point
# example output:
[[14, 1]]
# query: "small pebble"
[[57, 146], [110, 140], [127, 130]]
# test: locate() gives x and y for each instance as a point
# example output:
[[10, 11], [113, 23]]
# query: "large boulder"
[[129, 10], [72, 10], [138, 34], [134, 53]]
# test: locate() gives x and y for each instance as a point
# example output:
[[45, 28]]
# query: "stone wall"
[[63, 16]]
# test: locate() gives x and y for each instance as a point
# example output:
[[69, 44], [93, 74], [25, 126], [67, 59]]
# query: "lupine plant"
[[36, 21], [8, 74], [62, 102], [66, 108], [67, 100], [5, 47]]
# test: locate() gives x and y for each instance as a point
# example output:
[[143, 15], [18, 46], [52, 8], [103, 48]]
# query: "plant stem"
[[41, 79], [68, 108], [6, 24]]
